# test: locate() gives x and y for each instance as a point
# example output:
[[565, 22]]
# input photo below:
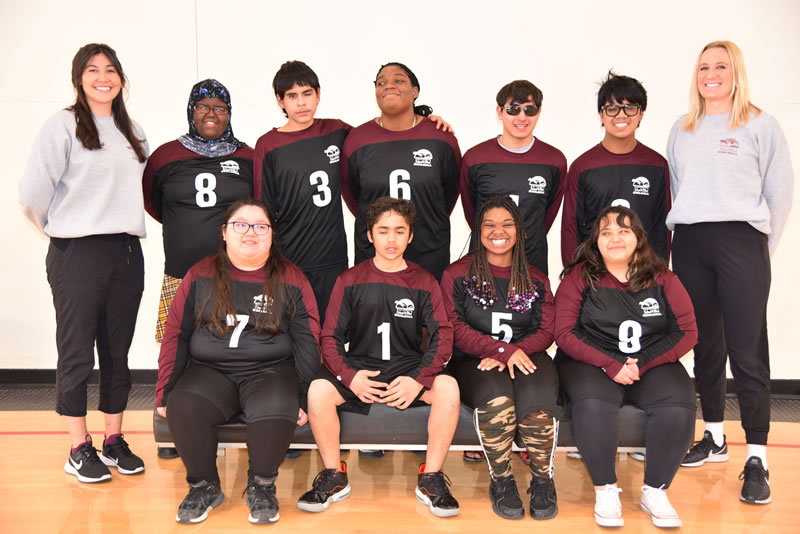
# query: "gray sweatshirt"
[[69, 191], [744, 174]]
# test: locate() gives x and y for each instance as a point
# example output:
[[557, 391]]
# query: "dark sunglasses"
[[529, 109]]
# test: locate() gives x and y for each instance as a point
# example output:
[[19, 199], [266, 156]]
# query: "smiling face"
[[394, 91], [715, 76], [616, 242], [498, 236], [517, 129], [391, 235], [101, 83], [212, 122], [622, 126], [247, 251], [300, 104]]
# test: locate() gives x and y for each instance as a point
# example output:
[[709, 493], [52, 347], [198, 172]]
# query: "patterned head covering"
[[225, 144]]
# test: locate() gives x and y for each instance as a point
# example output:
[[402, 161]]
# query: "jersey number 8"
[[205, 183]]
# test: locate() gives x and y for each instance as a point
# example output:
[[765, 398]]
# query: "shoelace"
[[658, 502], [751, 473], [122, 448], [324, 476], [197, 493], [545, 482], [262, 491], [440, 481], [608, 499], [89, 454]]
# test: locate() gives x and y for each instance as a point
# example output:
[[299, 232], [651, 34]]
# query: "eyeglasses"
[[612, 110], [219, 110], [514, 109], [243, 227]]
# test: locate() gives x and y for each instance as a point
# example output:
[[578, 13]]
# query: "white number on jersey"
[[240, 321], [383, 330], [399, 186], [205, 183], [320, 179], [499, 328], [630, 332], [515, 198]]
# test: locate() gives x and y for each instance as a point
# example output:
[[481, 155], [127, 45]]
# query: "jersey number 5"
[[399, 184], [320, 180], [498, 328], [205, 183], [630, 334]]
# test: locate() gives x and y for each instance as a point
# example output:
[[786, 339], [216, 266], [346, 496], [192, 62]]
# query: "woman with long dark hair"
[[82, 189], [242, 336], [502, 314], [623, 321]]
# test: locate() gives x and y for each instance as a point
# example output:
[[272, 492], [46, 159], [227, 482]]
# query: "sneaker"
[[525, 457], [506, 501], [755, 489], [167, 453], [202, 497], [329, 486], [432, 490], [262, 500], [638, 456], [704, 451], [607, 508], [371, 453], [544, 502], [119, 455], [85, 464], [654, 501], [575, 455], [293, 454]]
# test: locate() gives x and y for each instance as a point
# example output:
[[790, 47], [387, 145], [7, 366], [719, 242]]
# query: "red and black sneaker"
[[330, 485], [432, 490]]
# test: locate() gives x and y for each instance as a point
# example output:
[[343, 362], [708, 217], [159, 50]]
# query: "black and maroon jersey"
[[243, 350], [534, 180], [497, 331], [297, 176], [421, 165], [606, 324], [638, 180], [382, 316], [189, 195]]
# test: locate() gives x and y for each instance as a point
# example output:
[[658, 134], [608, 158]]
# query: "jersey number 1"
[[383, 330]]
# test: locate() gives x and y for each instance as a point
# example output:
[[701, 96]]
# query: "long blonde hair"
[[740, 112]]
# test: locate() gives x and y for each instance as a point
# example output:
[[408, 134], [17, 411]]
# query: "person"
[[81, 188], [189, 184], [242, 336], [398, 154], [623, 321], [619, 170], [297, 175], [382, 308], [502, 314], [732, 184], [517, 164]]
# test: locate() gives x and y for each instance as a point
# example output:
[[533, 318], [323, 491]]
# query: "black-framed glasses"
[[612, 110], [529, 109], [219, 110], [242, 227]]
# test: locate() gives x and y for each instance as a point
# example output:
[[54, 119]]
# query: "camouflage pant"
[[497, 423]]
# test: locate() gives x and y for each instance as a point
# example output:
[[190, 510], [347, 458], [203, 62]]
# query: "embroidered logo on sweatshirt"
[[404, 308], [423, 158], [230, 167], [641, 186], [729, 146], [333, 153], [262, 303], [650, 308], [537, 185]]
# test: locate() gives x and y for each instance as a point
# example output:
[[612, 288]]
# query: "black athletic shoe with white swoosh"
[[119, 455], [86, 465], [755, 489]]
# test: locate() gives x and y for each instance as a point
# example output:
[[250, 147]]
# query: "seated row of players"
[[243, 329]]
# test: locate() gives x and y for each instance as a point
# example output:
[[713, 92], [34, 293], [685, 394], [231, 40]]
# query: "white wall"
[[462, 53]]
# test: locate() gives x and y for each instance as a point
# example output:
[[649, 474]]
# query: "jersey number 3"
[[320, 180]]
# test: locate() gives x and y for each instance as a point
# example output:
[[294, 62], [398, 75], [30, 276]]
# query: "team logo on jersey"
[[537, 185], [729, 146], [262, 303], [650, 308], [333, 153], [404, 308], [621, 202], [230, 167], [641, 186], [423, 158]]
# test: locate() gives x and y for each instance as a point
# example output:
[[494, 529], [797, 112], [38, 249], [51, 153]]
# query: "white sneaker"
[[654, 501], [607, 508]]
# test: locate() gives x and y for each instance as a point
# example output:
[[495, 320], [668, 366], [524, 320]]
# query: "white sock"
[[759, 451], [717, 433]]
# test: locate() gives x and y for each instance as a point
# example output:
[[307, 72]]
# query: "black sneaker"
[[85, 464], [506, 501], [755, 489], [432, 490], [168, 453], [329, 486], [119, 455], [293, 454], [202, 497], [262, 500], [704, 451], [371, 453], [544, 502]]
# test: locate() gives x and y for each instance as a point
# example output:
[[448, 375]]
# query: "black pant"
[[97, 283], [664, 393], [322, 281], [725, 268]]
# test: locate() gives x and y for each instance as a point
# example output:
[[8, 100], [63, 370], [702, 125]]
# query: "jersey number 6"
[[399, 185]]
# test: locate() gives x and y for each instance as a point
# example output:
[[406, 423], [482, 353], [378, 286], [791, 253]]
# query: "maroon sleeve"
[[334, 333], [304, 330], [569, 235], [347, 194], [569, 301], [464, 190], [258, 160], [440, 342], [154, 163], [543, 337], [555, 203]]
